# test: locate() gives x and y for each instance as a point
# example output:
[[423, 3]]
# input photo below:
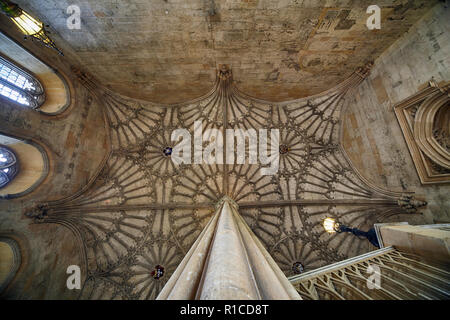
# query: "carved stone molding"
[[224, 72], [424, 120], [409, 204]]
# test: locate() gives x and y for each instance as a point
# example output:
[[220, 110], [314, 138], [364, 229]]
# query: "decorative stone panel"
[[424, 120]]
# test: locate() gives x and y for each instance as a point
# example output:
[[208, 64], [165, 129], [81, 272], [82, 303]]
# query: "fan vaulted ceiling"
[[142, 213], [167, 50]]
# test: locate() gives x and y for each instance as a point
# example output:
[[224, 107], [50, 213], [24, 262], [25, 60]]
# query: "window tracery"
[[20, 86], [9, 165]]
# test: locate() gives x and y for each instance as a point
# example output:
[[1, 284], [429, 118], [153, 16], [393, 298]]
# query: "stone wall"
[[166, 51], [76, 144], [372, 135]]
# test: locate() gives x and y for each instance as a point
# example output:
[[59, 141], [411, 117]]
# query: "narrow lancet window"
[[9, 165], [20, 86]]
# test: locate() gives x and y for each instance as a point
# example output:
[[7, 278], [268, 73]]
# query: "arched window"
[[19, 86], [27, 81], [10, 261], [23, 166], [9, 165]]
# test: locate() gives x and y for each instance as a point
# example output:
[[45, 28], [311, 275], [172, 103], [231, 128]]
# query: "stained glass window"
[[19, 86], [9, 165]]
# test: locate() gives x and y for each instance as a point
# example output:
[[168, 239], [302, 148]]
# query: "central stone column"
[[228, 262]]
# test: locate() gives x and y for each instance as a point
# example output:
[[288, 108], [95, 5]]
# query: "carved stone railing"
[[401, 277]]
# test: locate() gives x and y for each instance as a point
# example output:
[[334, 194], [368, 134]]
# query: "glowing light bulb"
[[329, 224], [27, 24]]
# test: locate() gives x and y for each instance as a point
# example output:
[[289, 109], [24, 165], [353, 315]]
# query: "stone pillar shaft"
[[228, 262]]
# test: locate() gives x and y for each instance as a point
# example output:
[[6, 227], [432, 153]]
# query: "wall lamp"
[[29, 26], [331, 226]]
